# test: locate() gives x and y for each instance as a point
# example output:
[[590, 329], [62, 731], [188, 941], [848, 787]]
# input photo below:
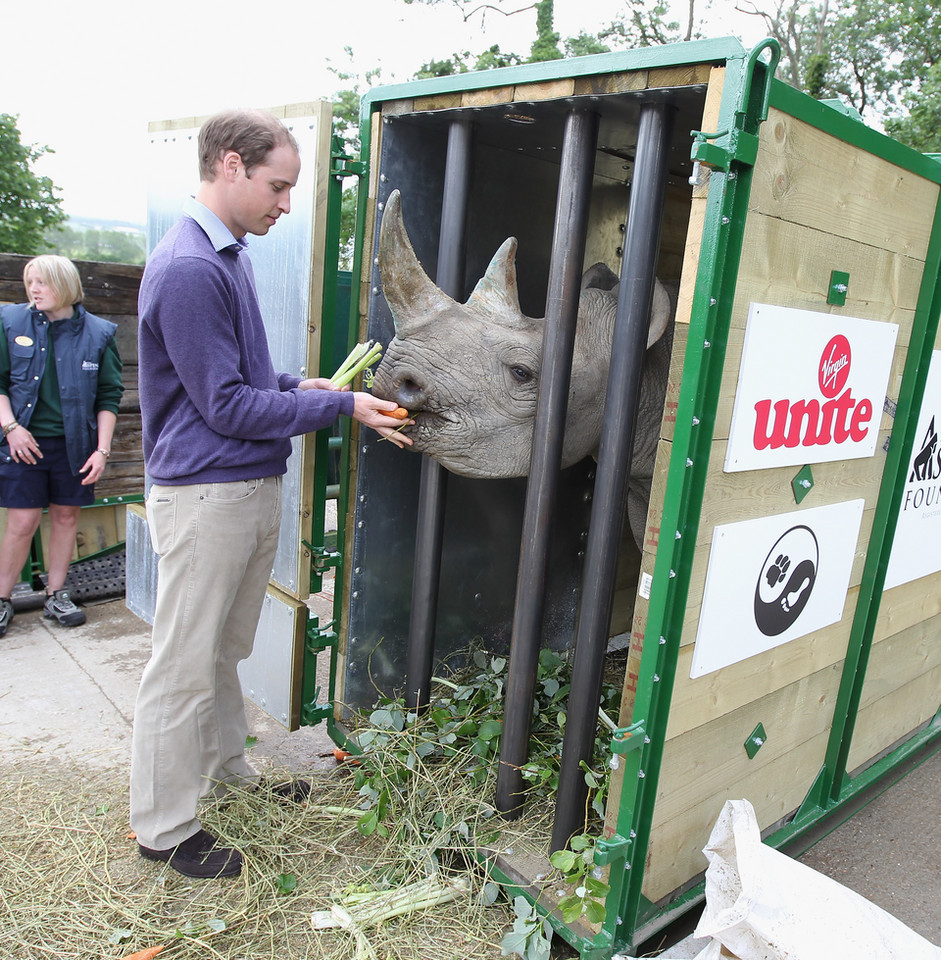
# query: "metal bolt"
[[706, 344], [695, 421]]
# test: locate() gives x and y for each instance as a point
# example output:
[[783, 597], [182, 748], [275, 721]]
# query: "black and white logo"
[[786, 580]]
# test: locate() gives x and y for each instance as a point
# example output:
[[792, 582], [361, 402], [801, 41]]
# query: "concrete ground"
[[67, 697]]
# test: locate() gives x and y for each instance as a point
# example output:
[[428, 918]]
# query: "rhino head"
[[469, 372]]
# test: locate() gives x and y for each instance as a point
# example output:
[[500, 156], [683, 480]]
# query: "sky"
[[86, 78]]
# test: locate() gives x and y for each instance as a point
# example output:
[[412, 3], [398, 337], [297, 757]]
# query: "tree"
[[546, 45], [28, 204]]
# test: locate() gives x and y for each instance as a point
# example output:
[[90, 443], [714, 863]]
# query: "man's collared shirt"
[[220, 236]]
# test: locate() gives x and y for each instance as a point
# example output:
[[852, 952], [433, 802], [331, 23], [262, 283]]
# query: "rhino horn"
[[497, 293], [410, 292]]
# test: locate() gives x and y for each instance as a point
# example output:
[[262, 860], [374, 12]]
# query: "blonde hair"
[[61, 275]]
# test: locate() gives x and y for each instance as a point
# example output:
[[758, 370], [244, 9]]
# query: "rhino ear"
[[410, 292], [497, 293], [660, 311], [599, 275]]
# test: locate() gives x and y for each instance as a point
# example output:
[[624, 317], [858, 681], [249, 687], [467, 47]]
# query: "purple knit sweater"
[[212, 407]]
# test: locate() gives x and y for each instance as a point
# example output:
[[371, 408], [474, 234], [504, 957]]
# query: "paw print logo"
[[786, 580], [778, 570]]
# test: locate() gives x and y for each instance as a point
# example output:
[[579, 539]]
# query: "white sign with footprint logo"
[[774, 579]]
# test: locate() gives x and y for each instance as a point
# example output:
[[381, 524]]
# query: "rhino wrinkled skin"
[[469, 373]]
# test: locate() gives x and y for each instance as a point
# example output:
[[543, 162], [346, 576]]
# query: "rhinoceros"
[[469, 373]]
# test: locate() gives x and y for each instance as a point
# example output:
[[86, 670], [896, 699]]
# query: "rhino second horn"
[[409, 291], [497, 292]]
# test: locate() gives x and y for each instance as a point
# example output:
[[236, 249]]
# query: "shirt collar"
[[219, 234]]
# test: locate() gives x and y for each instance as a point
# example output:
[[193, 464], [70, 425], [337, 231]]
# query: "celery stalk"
[[367, 360]]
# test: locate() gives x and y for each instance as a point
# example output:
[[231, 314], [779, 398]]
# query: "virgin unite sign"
[[809, 388]]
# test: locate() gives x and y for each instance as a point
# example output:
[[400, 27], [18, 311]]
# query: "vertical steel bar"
[[638, 268], [432, 497], [568, 254]]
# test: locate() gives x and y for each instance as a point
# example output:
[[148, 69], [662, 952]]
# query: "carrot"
[[147, 954], [400, 413]]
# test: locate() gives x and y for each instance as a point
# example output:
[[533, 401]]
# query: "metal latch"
[[739, 143], [614, 848], [629, 738], [322, 559]]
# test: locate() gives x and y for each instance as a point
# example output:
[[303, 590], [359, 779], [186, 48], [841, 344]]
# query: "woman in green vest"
[[60, 386]]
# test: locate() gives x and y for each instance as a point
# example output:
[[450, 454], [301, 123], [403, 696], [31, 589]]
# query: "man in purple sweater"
[[216, 426]]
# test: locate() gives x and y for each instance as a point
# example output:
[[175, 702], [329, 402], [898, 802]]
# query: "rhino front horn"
[[410, 293]]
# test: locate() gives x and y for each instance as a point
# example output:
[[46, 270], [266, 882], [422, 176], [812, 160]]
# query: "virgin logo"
[[834, 366], [812, 422]]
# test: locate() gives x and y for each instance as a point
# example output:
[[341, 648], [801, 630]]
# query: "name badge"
[[23, 341]]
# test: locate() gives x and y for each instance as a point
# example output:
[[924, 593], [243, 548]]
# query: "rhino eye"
[[521, 374]]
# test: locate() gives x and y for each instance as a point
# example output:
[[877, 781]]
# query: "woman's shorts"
[[26, 486]]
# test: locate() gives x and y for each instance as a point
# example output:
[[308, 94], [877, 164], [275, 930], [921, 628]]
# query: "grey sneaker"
[[6, 616], [59, 606]]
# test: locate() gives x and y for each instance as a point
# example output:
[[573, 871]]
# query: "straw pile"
[[72, 884]]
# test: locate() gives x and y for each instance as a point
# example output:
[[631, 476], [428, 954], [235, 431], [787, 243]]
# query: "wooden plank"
[[891, 718], [907, 605], [490, 97], [789, 265], [897, 661], [682, 75], [720, 693], [805, 175], [731, 497], [437, 101], [628, 82], [545, 90], [675, 858]]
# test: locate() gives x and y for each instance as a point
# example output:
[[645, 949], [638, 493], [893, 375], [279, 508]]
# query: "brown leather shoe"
[[198, 856]]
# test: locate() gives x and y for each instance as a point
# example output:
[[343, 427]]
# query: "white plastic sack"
[[762, 905]]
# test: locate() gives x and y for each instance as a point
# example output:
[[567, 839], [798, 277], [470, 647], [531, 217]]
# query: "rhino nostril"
[[409, 394]]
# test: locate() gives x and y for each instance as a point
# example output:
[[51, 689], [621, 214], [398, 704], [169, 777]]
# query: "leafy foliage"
[[407, 757], [28, 204]]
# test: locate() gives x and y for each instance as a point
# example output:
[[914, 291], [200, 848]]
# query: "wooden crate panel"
[[891, 718], [790, 264], [697, 701], [775, 790], [898, 660], [808, 176], [731, 497], [908, 604]]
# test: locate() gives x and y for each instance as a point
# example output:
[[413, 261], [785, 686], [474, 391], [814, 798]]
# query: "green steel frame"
[[833, 794], [730, 152], [323, 638]]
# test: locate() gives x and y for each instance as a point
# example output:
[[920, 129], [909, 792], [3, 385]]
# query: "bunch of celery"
[[362, 356]]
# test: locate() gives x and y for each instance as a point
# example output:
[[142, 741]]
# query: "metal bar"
[[452, 248], [568, 254], [727, 198], [629, 346]]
